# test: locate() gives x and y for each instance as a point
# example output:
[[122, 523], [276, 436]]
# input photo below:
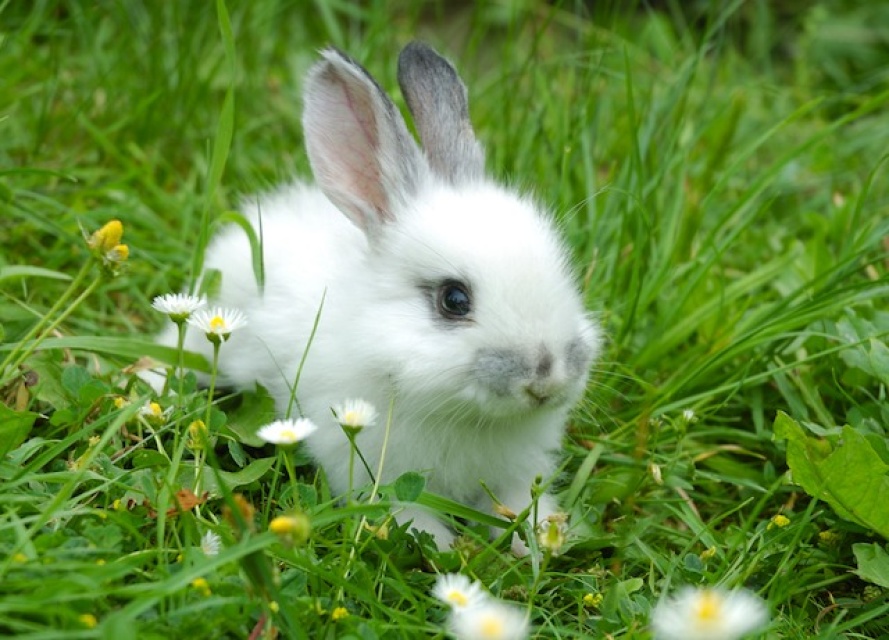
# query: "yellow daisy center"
[[708, 608], [458, 598], [491, 627], [288, 434], [217, 324]]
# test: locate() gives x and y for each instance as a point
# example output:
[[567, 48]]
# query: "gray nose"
[[544, 363]]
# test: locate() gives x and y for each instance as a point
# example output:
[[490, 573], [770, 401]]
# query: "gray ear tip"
[[418, 48], [417, 54]]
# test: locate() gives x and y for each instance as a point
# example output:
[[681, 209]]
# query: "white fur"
[[380, 337]]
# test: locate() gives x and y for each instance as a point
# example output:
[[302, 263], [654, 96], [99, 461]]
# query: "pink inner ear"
[[343, 140]]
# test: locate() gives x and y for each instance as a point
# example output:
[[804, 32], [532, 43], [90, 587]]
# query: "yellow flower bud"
[[202, 585], [106, 238], [593, 600], [88, 620], [197, 435], [294, 529]]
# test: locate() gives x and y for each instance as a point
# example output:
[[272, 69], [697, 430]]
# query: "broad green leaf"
[[409, 486], [14, 428], [232, 479], [620, 592], [873, 563], [236, 451], [74, 378], [48, 370], [879, 359], [850, 476], [256, 409]]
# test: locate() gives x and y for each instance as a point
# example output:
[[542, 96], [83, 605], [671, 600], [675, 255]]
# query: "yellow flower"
[[339, 613], [88, 620], [706, 554], [153, 412], [201, 585], [106, 246], [120, 402], [829, 538], [274, 607], [293, 529], [593, 600], [106, 238], [197, 435], [118, 253], [779, 521]]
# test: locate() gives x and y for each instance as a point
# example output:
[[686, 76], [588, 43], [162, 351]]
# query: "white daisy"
[[491, 620], [211, 543], [458, 591], [179, 306], [708, 614], [284, 432], [355, 414], [217, 323]]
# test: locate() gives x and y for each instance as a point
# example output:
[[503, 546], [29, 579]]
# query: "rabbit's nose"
[[544, 363], [540, 388]]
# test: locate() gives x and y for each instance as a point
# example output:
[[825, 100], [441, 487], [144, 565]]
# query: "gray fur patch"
[[499, 369], [577, 357]]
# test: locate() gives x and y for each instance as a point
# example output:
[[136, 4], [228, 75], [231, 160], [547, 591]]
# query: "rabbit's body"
[[445, 297]]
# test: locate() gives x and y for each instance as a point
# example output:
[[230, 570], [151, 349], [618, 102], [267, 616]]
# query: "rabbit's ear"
[[437, 100], [362, 155]]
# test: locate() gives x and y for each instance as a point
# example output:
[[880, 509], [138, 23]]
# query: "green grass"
[[721, 179]]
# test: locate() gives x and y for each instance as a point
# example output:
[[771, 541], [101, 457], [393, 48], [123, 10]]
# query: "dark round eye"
[[454, 300]]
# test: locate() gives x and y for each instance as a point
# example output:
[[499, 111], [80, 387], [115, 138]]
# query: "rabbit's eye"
[[453, 300]]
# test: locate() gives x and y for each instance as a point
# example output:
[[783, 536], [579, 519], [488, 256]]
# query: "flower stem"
[[198, 462], [180, 365]]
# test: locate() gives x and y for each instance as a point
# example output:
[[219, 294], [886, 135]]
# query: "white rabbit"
[[444, 293]]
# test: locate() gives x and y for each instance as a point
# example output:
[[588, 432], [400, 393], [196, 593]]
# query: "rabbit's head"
[[466, 281]]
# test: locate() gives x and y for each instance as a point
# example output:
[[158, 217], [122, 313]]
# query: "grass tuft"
[[719, 170]]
